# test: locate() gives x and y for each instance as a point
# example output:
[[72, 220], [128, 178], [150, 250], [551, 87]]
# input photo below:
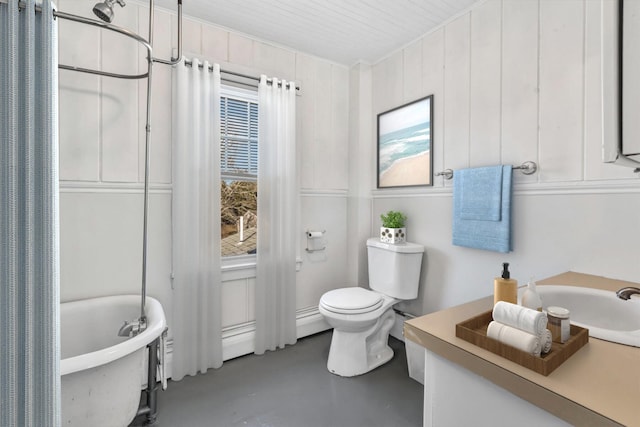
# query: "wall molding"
[[112, 187], [630, 186], [138, 187], [238, 340], [309, 192]]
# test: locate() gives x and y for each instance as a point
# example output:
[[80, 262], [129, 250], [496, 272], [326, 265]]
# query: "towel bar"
[[447, 173], [527, 168]]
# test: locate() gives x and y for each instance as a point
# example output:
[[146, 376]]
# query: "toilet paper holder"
[[311, 236]]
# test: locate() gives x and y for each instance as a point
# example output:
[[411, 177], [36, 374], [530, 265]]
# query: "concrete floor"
[[292, 388]]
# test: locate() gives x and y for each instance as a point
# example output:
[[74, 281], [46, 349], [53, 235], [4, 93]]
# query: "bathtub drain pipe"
[[152, 384], [151, 392]]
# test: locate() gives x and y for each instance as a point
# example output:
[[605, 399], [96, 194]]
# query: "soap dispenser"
[[531, 298], [505, 288]]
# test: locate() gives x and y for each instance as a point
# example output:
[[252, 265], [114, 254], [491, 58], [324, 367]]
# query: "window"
[[239, 171]]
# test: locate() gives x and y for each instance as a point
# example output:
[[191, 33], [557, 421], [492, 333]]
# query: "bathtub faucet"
[[133, 328], [625, 293]]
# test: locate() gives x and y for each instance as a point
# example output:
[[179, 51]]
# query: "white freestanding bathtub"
[[102, 373]]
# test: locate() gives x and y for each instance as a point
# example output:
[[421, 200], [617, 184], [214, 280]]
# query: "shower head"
[[104, 10]]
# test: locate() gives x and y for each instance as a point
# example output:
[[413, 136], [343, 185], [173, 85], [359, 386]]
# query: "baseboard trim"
[[239, 340], [309, 321]]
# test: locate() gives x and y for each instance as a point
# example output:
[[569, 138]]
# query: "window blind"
[[239, 138]]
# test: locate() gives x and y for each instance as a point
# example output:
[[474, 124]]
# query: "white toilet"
[[361, 318]]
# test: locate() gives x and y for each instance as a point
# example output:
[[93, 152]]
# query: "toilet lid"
[[351, 300]]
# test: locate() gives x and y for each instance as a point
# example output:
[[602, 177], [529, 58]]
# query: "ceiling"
[[343, 31]]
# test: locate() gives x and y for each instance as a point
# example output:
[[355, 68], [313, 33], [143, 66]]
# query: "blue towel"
[[491, 234], [480, 193]]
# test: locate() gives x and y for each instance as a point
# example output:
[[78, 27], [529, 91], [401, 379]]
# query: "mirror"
[[621, 82]]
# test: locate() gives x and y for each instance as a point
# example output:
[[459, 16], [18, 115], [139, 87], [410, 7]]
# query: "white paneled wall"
[[101, 243], [561, 70], [594, 168], [79, 101], [323, 270], [102, 140], [457, 65], [519, 89], [496, 74], [484, 84], [361, 171], [514, 81], [119, 104], [432, 79], [239, 292]]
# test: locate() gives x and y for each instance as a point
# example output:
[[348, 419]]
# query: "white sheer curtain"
[[29, 224], [197, 330], [277, 208]]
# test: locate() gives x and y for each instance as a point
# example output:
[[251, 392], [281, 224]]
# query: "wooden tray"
[[474, 330]]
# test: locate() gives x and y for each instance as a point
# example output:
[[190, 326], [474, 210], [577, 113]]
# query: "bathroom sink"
[[605, 315]]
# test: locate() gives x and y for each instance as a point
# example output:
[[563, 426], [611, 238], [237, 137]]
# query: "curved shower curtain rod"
[[110, 27], [137, 325], [141, 40], [128, 33]]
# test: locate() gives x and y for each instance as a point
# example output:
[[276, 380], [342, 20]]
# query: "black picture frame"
[[405, 145]]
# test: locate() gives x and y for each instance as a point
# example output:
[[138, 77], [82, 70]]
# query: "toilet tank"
[[394, 270]]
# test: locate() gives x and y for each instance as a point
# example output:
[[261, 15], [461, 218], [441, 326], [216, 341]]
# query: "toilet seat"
[[353, 300]]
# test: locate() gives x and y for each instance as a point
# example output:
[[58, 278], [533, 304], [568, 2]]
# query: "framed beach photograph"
[[405, 136]]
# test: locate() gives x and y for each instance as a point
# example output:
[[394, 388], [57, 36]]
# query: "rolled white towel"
[[521, 340], [523, 318], [545, 341]]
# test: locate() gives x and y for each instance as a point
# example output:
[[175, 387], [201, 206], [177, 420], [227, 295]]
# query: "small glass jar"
[[559, 324]]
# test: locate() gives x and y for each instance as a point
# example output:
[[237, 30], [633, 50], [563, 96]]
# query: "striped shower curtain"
[[29, 255]]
